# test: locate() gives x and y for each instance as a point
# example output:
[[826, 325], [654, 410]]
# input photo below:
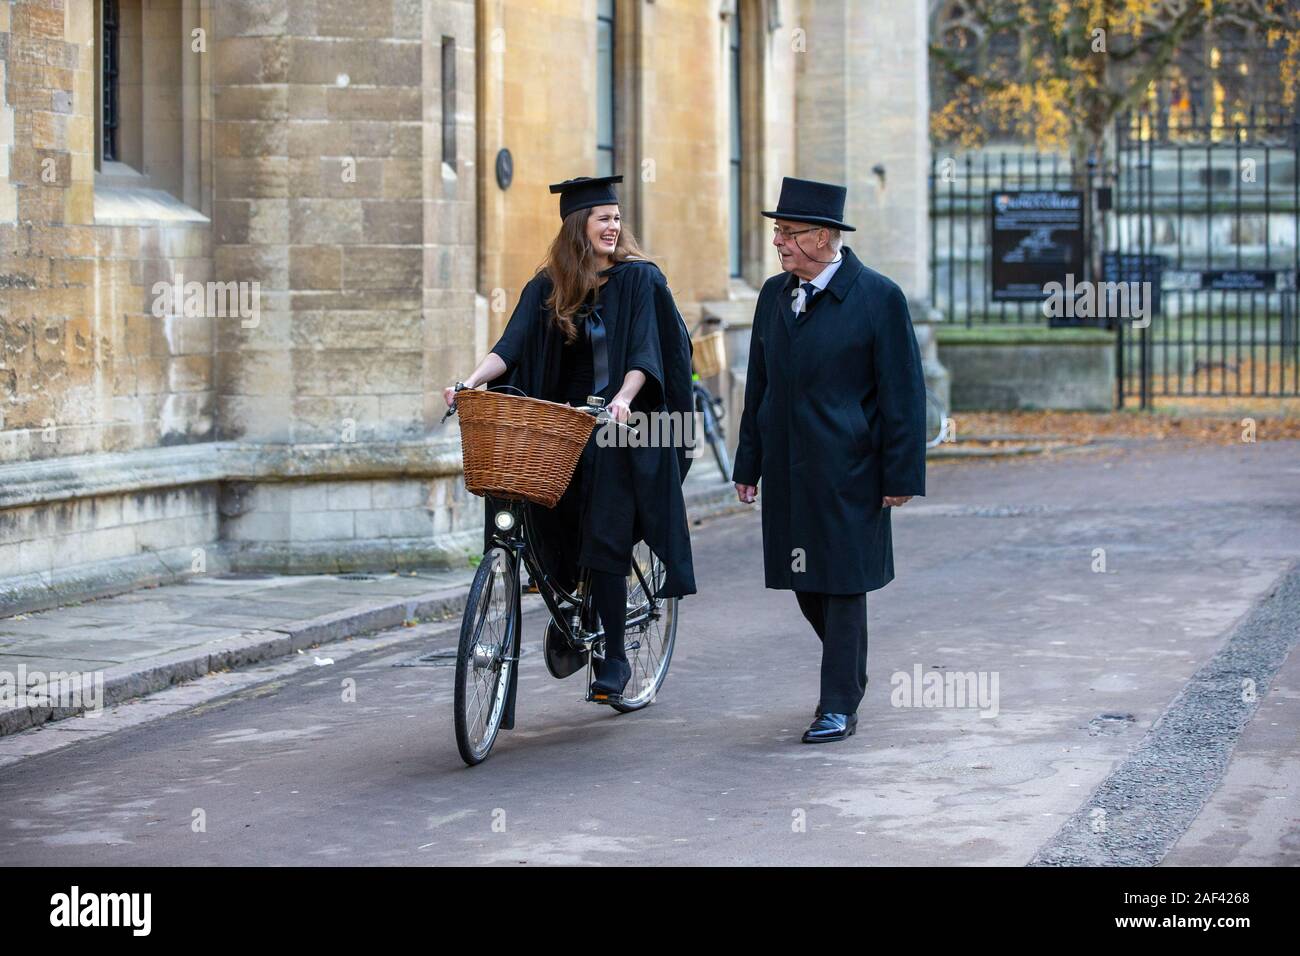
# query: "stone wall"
[[1013, 368], [307, 137], [334, 195], [863, 93], [86, 369]]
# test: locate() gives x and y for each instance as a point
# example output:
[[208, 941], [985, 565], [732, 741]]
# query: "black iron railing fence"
[[960, 252], [1214, 204]]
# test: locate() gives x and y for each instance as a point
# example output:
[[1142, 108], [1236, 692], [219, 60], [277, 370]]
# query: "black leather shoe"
[[612, 676], [828, 727]]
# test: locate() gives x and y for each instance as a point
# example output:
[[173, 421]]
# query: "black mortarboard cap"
[[584, 192]]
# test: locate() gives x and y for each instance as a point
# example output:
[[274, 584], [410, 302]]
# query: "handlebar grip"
[[451, 409]]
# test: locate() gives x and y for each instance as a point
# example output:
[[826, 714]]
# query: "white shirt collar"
[[819, 281], [823, 278]]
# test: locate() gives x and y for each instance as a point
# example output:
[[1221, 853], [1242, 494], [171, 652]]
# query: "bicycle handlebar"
[[707, 320], [451, 409], [595, 411]]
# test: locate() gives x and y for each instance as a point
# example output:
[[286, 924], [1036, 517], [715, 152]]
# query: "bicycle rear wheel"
[[487, 655], [709, 409], [719, 446], [651, 630], [937, 423]]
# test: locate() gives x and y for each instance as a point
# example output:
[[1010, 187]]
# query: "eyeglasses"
[[788, 234]]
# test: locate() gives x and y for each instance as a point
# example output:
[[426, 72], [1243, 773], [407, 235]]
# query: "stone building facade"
[[239, 260]]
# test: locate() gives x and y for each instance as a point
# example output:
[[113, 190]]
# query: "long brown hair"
[[571, 265]]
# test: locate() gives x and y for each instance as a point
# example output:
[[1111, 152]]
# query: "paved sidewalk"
[[149, 639]]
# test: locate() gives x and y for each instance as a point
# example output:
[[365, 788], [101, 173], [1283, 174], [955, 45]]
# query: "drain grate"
[[356, 577], [443, 657]]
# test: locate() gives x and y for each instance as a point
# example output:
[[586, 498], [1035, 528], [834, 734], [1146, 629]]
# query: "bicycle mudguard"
[[508, 718]]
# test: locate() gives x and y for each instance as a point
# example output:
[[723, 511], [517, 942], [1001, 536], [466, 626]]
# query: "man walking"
[[834, 428]]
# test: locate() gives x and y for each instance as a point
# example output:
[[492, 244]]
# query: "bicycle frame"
[[567, 610]]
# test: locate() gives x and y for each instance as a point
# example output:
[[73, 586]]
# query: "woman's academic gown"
[[623, 494]]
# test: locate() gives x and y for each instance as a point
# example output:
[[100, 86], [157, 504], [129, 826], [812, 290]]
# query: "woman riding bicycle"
[[598, 320]]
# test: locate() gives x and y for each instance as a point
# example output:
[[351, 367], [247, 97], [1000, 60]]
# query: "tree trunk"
[[1092, 143]]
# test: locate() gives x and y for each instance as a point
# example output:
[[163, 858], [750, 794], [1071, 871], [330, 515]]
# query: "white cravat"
[[819, 282]]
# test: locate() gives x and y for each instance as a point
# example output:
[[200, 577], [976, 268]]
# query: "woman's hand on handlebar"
[[449, 395], [619, 409]]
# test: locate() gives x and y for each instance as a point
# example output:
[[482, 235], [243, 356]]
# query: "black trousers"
[[840, 621]]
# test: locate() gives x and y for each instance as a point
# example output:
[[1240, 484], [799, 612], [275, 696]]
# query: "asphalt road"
[[997, 576]]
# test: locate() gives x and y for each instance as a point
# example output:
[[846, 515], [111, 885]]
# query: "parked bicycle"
[[938, 426], [709, 356]]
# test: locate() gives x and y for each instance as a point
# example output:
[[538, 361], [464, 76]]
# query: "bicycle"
[[487, 655], [939, 427], [711, 410]]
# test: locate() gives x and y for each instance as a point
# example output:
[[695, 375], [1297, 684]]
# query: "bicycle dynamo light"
[[504, 520]]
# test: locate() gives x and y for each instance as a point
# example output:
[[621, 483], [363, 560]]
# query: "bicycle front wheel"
[[651, 630], [487, 655]]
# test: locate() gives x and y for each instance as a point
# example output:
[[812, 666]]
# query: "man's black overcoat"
[[834, 420], [644, 331]]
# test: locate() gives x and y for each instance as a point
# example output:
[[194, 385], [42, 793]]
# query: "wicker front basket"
[[710, 354], [520, 448]]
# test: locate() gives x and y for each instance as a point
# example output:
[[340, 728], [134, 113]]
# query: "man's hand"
[[747, 493], [897, 502]]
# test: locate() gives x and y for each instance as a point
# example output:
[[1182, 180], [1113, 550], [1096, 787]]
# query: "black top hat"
[[583, 192], [805, 200]]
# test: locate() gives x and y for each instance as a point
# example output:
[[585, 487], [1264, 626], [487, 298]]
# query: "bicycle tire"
[[488, 665], [657, 632], [719, 446]]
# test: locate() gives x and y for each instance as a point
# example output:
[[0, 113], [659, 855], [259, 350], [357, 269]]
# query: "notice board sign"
[[1146, 270], [1037, 237], [1239, 280]]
